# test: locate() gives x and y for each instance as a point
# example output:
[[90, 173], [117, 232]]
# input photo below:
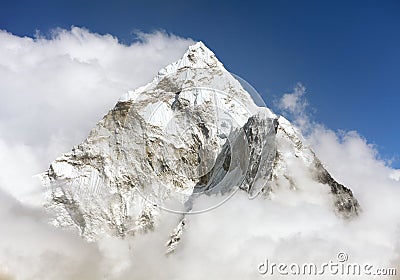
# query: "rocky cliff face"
[[193, 131]]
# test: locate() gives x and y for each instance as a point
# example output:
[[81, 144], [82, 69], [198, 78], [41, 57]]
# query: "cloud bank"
[[53, 90]]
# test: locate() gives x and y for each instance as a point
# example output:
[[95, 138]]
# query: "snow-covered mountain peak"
[[199, 53], [192, 132], [197, 56], [199, 77]]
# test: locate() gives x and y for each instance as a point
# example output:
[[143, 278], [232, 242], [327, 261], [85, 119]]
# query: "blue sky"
[[346, 53]]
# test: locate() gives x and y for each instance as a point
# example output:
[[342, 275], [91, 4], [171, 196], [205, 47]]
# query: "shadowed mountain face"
[[192, 132]]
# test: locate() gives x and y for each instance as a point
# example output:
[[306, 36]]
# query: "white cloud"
[[54, 90], [395, 175], [294, 102], [295, 106], [31, 249]]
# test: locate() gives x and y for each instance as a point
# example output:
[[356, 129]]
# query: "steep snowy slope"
[[193, 131]]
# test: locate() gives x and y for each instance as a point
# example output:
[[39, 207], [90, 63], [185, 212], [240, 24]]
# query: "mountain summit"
[[191, 133]]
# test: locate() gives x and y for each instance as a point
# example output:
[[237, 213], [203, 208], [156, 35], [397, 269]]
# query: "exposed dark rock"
[[345, 203]]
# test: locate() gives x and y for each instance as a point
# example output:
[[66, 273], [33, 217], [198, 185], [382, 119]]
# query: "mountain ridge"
[[193, 131]]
